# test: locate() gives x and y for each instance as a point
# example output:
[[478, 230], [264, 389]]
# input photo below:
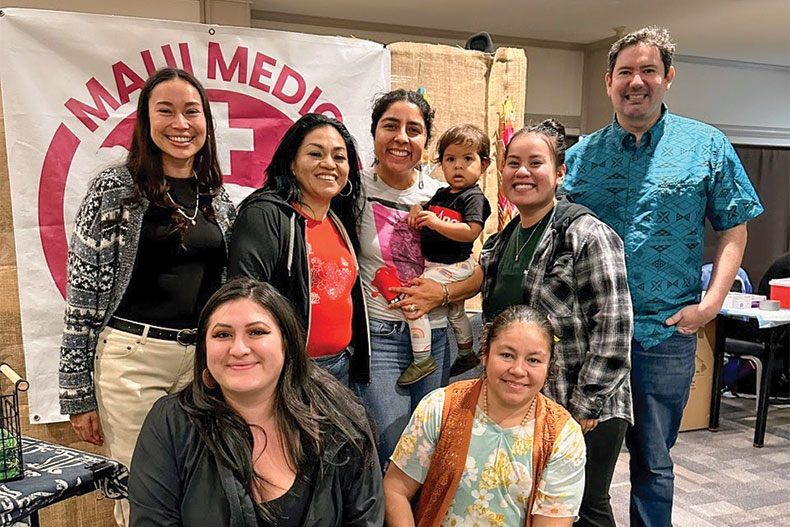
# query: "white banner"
[[70, 84]]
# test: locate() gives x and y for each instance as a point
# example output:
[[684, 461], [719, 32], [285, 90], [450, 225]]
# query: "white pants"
[[420, 329], [132, 372]]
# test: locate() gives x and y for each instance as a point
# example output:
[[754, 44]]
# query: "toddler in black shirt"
[[449, 224]]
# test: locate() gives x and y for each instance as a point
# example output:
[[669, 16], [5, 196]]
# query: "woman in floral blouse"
[[492, 451]]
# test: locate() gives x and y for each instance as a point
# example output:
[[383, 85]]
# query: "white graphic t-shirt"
[[390, 249]]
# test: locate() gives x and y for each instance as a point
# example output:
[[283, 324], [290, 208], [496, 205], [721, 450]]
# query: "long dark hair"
[[310, 406], [145, 158], [281, 181]]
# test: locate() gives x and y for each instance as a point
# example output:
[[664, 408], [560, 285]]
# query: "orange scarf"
[[449, 457]]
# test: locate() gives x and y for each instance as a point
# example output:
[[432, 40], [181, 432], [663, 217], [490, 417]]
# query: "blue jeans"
[[660, 384], [337, 365], [390, 405]]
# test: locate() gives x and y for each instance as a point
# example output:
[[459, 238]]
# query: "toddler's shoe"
[[417, 371], [464, 363]]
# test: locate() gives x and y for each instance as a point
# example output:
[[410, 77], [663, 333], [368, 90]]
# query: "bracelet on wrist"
[[445, 295]]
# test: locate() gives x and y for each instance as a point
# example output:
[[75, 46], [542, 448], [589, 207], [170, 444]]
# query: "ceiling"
[[744, 30]]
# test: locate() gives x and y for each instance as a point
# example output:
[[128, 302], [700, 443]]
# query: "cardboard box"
[[742, 300], [696, 415]]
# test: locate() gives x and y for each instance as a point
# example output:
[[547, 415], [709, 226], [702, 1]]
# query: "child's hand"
[[428, 219], [413, 213]]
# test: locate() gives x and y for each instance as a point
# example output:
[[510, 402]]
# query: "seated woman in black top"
[[263, 436]]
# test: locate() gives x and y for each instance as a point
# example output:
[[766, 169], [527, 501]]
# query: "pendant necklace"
[[535, 229], [485, 405], [180, 209]]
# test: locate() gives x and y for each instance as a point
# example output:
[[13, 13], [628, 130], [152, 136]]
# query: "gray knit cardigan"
[[101, 257]]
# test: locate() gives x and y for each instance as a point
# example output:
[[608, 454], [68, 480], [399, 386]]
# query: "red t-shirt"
[[332, 276]]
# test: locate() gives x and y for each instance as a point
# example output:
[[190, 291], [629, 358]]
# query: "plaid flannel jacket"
[[578, 277]]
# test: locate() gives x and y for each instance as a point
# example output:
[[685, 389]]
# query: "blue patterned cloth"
[[656, 196], [54, 473]]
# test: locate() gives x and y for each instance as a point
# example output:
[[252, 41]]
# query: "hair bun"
[[554, 125]]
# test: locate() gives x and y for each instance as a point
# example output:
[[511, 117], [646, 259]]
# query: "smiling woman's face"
[[530, 176], [244, 350], [178, 122], [400, 139], [321, 166], [517, 364]]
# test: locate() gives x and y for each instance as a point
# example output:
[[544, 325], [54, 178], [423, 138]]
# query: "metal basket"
[[11, 467]]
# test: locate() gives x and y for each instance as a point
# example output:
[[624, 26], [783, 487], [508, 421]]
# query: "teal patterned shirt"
[[656, 197]]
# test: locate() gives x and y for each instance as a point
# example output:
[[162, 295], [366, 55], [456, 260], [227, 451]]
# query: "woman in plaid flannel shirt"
[[557, 256]]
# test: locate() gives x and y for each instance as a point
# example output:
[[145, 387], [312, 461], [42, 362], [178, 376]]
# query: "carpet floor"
[[721, 480]]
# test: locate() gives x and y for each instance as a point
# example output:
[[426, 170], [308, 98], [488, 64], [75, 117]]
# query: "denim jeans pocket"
[[383, 328]]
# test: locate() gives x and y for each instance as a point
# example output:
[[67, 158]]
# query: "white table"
[[769, 321], [765, 319]]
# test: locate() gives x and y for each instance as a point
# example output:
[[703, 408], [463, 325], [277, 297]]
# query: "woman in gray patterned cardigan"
[[149, 248], [557, 256]]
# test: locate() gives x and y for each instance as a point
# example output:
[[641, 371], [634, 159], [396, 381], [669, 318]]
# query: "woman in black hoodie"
[[298, 233]]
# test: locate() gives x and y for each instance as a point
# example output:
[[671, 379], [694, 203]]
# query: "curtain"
[[769, 234]]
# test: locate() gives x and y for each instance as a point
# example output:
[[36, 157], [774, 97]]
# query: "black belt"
[[185, 337]]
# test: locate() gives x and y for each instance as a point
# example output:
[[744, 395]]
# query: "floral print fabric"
[[495, 485]]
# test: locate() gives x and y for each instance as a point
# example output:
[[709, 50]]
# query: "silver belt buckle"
[[188, 336]]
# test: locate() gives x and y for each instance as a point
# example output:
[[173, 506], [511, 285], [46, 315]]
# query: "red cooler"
[[780, 290]]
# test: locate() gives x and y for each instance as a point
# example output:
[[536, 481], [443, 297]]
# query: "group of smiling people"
[[280, 397]]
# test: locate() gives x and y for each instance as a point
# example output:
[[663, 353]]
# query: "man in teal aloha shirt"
[[654, 177]]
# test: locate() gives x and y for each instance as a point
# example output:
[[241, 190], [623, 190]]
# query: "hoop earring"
[[350, 187], [208, 379]]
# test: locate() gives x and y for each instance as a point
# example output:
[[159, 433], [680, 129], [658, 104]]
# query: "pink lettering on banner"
[[186, 58], [289, 73], [314, 95], [258, 71], [121, 71], [237, 63], [289, 86], [148, 61], [331, 108], [248, 164], [170, 59], [100, 95], [167, 53]]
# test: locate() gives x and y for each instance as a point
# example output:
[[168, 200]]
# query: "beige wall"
[[184, 10], [554, 76], [224, 12], [749, 102], [596, 106]]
